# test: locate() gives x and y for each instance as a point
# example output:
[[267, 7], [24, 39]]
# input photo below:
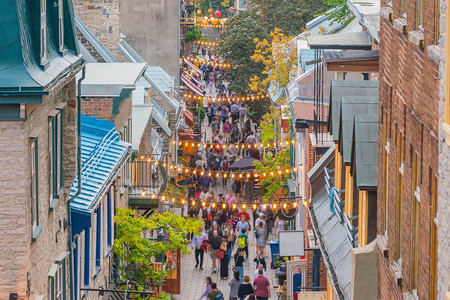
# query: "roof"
[[102, 157], [141, 117], [364, 151], [332, 234], [344, 41], [346, 88], [87, 56], [21, 72], [323, 25], [305, 110], [109, 79], [341, 56], [161, 117], [104, 53], [305, 56], [351, 106], [353, 26], [129, 52], [368, 14]]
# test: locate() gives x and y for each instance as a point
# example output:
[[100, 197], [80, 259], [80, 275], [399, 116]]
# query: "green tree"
[[132, 248]]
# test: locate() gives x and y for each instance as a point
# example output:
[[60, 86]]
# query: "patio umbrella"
[[243, 164]]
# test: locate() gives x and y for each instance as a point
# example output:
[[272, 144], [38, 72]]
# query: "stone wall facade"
[[103, 19], [443, 211], [151, 28], [24, 264], [409, 108]]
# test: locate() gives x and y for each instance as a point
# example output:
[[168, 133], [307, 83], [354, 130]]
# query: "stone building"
[[443, 205], [408, 151], [38, 147]]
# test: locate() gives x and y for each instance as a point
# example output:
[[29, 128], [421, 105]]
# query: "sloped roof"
[[344, 41], [94, 41], [351, 106], [109, 79], [20, 69], [339, 56], [102, 157], [323, 24], [346, 88], [365, 151]]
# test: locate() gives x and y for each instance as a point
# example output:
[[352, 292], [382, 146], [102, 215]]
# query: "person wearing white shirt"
[[260, 267]]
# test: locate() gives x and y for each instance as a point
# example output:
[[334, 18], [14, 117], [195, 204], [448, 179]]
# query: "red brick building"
[[408, 149]]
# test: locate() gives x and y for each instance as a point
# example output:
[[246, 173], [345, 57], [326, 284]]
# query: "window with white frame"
[[34, 183], [61, 25], [57, 279], [43, 31]]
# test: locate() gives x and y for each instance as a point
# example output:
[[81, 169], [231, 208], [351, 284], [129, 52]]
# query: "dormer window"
[[43, 31], [61, 25]]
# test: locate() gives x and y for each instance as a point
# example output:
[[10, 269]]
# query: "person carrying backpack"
[[215, 294], [242, 241]]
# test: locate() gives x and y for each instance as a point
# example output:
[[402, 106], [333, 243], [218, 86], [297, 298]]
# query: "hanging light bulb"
[[295, 204], [193, 202], [183, 201], [224, 206], [264, 206], [233, 206], [203, 203], [213, 205], [163, 198], [254, 206], [284, 205], [244, 206], [275, 206]]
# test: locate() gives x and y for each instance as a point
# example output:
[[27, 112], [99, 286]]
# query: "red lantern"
[[218, 13], [210, 17]]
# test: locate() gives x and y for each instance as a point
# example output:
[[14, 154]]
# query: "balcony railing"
[[338, 206]]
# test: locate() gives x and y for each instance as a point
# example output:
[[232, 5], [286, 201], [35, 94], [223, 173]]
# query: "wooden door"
[[173, 282]]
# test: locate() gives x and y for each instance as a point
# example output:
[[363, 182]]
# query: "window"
[[34, 183], [398, 223], [434, 243], [404, 8], [43, 31], [57, 278], [415, 222], [419, 14], [55, 155], [437, 16], [61, 25]]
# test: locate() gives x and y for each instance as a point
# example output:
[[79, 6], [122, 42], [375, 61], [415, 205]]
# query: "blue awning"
[[102, 157]]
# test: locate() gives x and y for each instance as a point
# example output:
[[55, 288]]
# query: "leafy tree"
[[279, 56], [341, 14], [132, 248]]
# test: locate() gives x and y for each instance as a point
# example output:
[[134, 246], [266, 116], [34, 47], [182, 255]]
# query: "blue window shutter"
[[98, 240], [108, 214], [86, 255]]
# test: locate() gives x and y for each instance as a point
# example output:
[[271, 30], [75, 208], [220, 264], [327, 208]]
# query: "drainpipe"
[[69, 211]]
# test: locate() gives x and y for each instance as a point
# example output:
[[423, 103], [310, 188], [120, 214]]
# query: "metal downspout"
[[69, 211]]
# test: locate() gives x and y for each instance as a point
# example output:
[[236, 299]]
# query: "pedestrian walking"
[[214, 246], [215, 294], [239, 262], [209, 113], [234, 286], [260, 260], [208, 288], [211, 82], [245, 288], [242, 228], [198, 245], [259, 267], [261, 286]]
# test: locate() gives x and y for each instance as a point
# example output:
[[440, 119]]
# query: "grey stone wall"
[[22, 260], [151, 28], [443, 212]]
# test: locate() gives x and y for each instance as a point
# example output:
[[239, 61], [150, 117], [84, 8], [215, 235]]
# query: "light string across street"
[[228, 99]]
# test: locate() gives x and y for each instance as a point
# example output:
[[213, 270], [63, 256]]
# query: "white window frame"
[[43, 32], [34, 188], [57, 278], [60, 25]]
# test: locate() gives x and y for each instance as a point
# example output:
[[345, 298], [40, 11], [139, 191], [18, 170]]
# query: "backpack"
[[219, 295], [241, 242]]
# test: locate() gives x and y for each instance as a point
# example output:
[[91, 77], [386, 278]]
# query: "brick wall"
[[409, 93], [103, 19], [21, 259], [101, 108], [443, 212]]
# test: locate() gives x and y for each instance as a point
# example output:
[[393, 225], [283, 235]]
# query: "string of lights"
[[236, 145], [214, 64], [207, 43], [211, 25], [221, 204], [227, 99]]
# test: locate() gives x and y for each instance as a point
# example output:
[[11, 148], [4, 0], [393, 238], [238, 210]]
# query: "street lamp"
[[165, 205]]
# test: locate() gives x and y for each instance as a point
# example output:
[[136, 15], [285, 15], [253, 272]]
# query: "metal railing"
[[146, 178], [337, 205]]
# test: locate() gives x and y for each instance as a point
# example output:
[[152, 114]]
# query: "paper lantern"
[[199, 12], [214, 21], [218, 13], [210, 10], [211, 17]]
